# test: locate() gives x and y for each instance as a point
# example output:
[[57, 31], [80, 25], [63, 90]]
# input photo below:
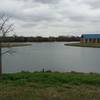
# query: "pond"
[[52, 56]]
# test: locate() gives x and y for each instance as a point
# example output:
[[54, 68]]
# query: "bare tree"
[[5, 28]]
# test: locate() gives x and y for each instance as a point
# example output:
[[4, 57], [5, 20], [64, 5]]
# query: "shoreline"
[[88, 45], [8, 45]]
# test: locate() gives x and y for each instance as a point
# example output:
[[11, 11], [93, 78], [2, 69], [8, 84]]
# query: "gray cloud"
[[47, 1], [56, 17], [93, 3]]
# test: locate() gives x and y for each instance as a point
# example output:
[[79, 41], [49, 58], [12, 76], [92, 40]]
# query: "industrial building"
[[90, 38]]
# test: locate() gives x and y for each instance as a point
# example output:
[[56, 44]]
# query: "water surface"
[[52, 56]]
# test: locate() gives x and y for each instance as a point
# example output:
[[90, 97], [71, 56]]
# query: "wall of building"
[[94, 40]]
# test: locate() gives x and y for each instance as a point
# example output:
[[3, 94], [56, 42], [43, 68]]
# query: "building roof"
[[90, 36]]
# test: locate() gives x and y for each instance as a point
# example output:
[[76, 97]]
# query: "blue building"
[[90, 38]]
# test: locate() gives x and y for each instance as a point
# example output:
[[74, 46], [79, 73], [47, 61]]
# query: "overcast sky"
[[53, 17]]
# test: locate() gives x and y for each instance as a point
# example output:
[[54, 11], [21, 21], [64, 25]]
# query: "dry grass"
[[64, 92]]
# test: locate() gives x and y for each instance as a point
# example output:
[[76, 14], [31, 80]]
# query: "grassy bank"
[[4, 45], [50, 86], [93, 45]]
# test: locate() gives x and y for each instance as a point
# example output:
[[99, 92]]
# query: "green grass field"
[[50, 86], [94, 45]]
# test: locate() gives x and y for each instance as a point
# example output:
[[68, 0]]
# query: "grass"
[[94, 45], [50, 86]]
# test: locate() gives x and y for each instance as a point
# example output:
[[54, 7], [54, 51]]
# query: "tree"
[[5, 28]]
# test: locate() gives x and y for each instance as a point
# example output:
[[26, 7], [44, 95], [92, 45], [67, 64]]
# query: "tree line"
[[40, 39]]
